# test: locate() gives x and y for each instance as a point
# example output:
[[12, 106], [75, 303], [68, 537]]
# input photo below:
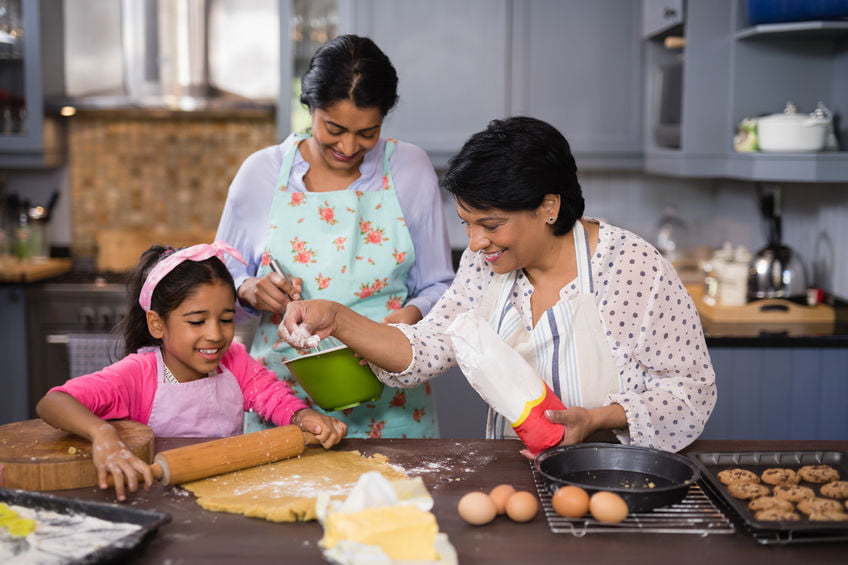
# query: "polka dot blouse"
[[651, 324]]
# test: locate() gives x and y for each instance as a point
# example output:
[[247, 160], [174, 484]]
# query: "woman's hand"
[[577, 421], [112, 457], [272, 292], [317, 317], [327, 429], [308, 321], [581, 422], [406, 315]]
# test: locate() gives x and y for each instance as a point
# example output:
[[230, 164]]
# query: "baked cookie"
[[793, 493], [813, 505], [818, 473], [829, 516], [775, 514], [778, 476], [835, 489], [747, 491], [773, 503], [733, 476]]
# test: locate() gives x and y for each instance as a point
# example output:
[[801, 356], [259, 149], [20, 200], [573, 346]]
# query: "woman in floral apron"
[[593, 309], [350, 217]]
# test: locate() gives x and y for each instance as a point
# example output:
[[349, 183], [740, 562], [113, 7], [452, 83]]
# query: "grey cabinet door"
[[578, 65], [779, 393], [452, 60]]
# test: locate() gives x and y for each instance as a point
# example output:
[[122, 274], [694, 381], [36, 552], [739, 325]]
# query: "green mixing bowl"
[[334, 379]]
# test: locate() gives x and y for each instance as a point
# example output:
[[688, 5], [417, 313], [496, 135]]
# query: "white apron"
[[210, 407], [567, 347]]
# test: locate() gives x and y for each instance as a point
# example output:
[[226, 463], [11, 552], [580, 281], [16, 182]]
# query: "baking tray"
[[711, 463], [148, 521]]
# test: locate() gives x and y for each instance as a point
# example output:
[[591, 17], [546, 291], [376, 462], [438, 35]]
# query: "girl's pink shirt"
[[126, 389]]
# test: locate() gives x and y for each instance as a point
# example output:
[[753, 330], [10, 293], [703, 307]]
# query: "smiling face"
[[197, 333], [343, 133], [510, 240]]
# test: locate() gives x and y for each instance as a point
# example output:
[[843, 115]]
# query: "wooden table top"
[[450, 468]]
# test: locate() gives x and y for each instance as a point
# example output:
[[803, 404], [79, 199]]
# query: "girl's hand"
[[406, 315], [112, 457], [327, 429]]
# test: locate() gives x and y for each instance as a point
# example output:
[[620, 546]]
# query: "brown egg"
[[522, 506], [477, 508], [570, 501], [499, 495], [608, 507]]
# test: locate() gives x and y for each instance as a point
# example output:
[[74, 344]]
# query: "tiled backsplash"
[[139, 172]]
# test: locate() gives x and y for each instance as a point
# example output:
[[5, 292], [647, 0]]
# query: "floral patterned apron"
[[567, 346], [352, 247]]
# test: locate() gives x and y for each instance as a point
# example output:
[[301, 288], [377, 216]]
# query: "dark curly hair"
[[174, 287], [512, 165]]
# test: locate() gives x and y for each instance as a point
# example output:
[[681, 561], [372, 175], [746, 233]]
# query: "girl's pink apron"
[[210, 407]]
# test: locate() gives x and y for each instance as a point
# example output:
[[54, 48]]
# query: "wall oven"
[[69, 323]]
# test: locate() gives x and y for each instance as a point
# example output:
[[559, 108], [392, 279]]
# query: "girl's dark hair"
[[350, 67], [512, 165], [175, 287]]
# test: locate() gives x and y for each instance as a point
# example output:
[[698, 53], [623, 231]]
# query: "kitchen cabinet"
[[734, 71], [577, 65], [779, 393], [661, 16], [14, 379], [28, 138], [452, 60], [461, 64]]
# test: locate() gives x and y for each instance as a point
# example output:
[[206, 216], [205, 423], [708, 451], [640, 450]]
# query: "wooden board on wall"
[[119, 250]]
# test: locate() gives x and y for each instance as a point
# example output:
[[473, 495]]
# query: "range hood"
[[149, 54]]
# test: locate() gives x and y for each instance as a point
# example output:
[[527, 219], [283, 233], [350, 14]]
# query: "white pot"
[[792, 132]]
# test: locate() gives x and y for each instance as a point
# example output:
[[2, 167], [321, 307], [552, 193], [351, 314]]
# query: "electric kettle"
[[776, 270]]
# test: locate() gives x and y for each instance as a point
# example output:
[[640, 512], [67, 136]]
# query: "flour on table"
[[285, 491], [59, 538]]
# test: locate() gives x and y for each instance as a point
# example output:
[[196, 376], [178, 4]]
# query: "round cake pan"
[[645, 478]]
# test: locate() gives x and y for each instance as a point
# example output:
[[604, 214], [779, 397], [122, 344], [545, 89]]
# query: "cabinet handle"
[[669, 13], [58, 338]]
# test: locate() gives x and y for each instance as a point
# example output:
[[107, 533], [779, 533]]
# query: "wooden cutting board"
[[765, 311], [36, 456], [18, 271]]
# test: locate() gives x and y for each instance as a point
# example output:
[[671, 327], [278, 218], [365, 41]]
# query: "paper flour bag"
[[505, 381]]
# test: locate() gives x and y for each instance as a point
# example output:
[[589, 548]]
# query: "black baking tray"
[[711, 463], [149, 521]]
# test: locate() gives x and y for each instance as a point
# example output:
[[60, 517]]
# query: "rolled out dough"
[[285, 491]]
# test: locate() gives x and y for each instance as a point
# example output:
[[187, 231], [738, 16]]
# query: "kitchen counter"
[[774, 323], [450, 468], [23, 272]]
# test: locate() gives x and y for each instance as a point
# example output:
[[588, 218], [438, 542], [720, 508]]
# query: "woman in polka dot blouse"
[[601, 316]]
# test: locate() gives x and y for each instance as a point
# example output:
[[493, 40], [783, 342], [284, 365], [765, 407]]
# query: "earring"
[[551, 220]]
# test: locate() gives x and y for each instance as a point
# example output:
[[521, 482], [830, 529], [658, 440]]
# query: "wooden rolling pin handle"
[[207, 459]]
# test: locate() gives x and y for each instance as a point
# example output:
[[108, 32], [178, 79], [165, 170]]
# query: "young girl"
[[182, 375]]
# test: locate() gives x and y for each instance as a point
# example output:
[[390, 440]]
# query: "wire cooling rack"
[[695, 514]]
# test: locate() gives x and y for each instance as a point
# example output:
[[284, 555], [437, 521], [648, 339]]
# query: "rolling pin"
[[210, 458]]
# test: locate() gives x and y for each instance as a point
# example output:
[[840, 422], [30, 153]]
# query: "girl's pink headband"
[[199, 252]]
